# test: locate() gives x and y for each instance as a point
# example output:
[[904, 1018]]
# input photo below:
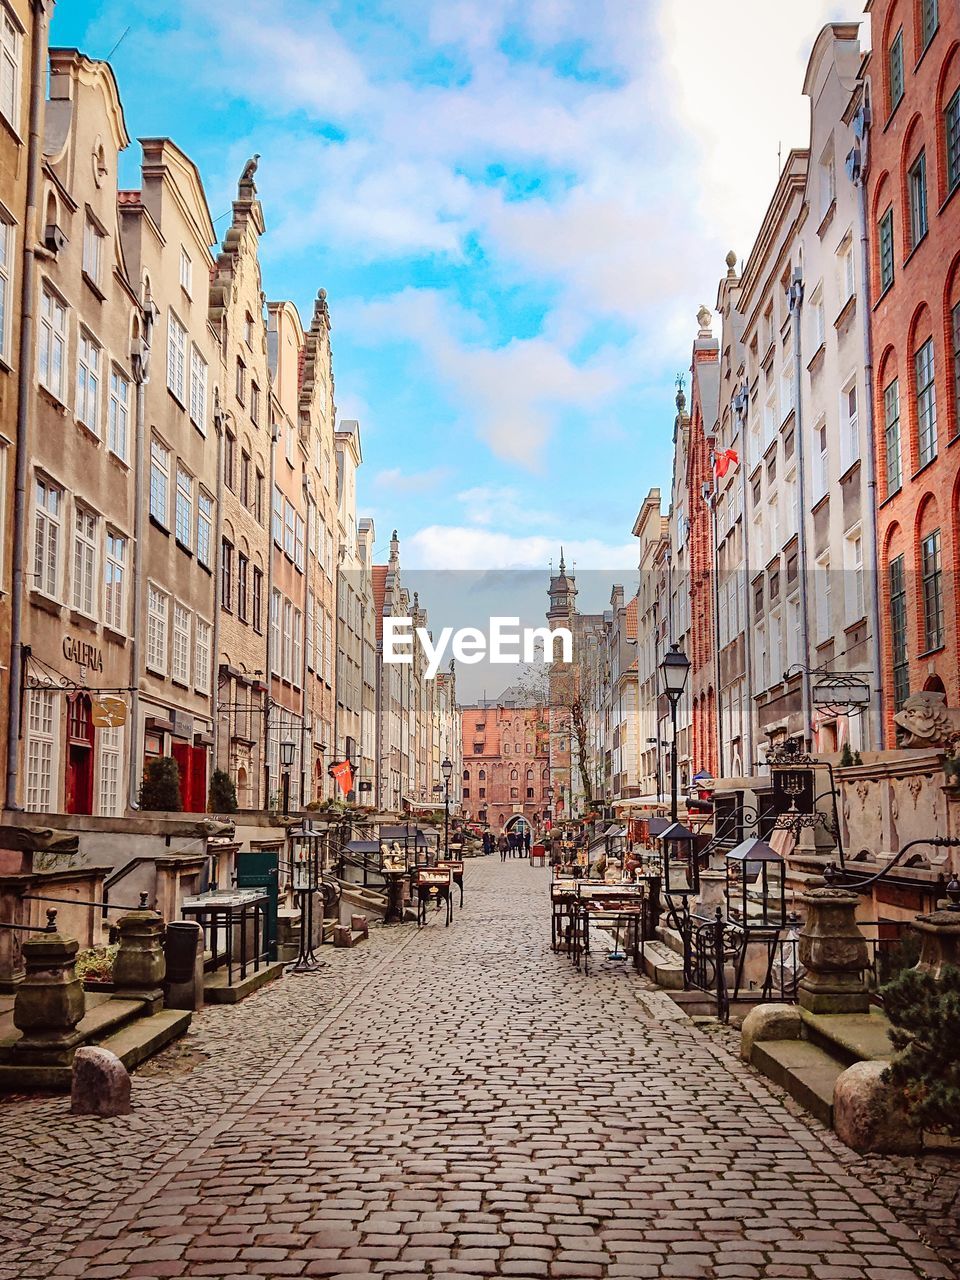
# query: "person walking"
[[526, 841], [503, 844]]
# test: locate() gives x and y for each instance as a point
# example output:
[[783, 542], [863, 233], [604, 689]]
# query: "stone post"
[[12, 971], [139, 968], [833, 952], [49, 1003], [939, 941], [713, 890]]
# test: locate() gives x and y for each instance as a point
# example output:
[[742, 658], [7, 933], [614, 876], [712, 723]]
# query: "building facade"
[[912, 227], [506, 761], [652, 528]]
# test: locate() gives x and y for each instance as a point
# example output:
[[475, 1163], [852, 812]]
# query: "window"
[[929, 20], [245, 478], [241, 380], [824, 631], [926, 403], [823, 462], [828, 180], [88, 382], [296, 672], [114, 581], [257, 600], [286, 665], [53, 342], [848, 278], [248, 329], [176, 357], [229, 461], [917, 183], [46, 547], [289, 526], [85, 561], [856, 603], [7, 241], [184, 521], [898, 632], [226, 574], [42, 717], [118, 414], [299, 542], [932, 591], [204, 527], [891, 431], [92, 251], [277, 516], [243, 565], [951, 132], [850, 439], [254, 404], [886, 250], [110, 744], [819, 321], [198, 390], [201, 655], [955, 331], [310, 629], [258, 497], [11, 46], [159, 481], [156, 629], [895, 71], [275, 655], [186, 271], [180, 665]]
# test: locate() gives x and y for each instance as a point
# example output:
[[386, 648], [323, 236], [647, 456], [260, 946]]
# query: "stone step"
[[807, 1072], [850, 1037], [217, 990], [103, 1016], [663, 966]]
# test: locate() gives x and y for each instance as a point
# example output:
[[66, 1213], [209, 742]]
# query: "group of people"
[[512, 844]]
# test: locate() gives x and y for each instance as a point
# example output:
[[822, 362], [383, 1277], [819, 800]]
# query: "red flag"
[[722, 461], [342, 774]]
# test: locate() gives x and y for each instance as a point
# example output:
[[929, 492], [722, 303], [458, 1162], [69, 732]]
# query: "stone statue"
[[925, 720], [249, 169]]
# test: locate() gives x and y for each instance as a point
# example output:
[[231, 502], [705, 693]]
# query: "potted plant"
[[223, 794], [160, 789]]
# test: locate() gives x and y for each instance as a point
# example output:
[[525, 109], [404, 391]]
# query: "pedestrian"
[[503, 844], [526, 841]]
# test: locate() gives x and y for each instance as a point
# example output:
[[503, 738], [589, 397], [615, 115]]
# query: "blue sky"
[[516, 208]]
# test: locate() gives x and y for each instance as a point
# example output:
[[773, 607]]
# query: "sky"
[[516, 208]]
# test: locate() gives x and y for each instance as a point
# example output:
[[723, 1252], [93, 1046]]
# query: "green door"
[[260, 869]]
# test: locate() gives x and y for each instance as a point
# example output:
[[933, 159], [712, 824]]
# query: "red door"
[[192, 763], [79, 771]]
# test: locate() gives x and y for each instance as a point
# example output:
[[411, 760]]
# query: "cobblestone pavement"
[[449, 1104]]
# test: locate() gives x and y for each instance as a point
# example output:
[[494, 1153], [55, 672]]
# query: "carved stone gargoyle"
[[925, 720], [38, 840]]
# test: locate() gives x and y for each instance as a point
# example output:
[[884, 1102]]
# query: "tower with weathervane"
[[561, 692]]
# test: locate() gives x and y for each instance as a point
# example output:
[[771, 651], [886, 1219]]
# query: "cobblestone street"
[[457, 1102]]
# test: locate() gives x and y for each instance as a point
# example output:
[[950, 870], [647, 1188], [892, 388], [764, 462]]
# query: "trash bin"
[[180, 944]]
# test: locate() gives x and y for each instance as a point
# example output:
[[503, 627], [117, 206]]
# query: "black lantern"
[[674, 668], [756, 886], [681, 868]]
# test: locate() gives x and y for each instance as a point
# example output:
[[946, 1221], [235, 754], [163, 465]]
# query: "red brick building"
[[704, 401], [506, 763], [912, 189]]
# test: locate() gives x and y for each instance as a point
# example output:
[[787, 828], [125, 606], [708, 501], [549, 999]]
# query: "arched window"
[[466, 775], [514, 775], [483, 774]]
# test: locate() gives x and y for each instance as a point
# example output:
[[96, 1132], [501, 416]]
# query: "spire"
[[563, 567]]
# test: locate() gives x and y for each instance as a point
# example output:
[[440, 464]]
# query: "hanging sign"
[[108, 712]]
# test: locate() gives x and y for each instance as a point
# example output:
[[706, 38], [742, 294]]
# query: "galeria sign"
[[505, 644]]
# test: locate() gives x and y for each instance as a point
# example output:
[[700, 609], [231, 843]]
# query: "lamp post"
[[674, 668], [287, 749], [447, 770]]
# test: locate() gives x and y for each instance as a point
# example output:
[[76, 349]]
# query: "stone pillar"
[[50, 1002], [833, 952], [11, 940], [713, 890], [939, 941], [139, 968]]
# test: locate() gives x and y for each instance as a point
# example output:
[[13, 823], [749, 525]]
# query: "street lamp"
[[287, 749], [674, 668], [447, 770]]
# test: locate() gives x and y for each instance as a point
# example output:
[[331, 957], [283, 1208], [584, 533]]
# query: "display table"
[[433, 883], [235, 927], [614, 908], [456, 869]]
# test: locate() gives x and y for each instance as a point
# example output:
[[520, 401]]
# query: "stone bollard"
[[833, 952], [939, 941], [359, 924], [100, 1085], [868, 1113], [139, 968], [342, 937], [49, 1003]]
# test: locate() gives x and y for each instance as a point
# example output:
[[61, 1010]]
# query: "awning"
[[640, 802], [422, 804]]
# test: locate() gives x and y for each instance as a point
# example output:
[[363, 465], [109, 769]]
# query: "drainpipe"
[[26, 356], [268, 673], [308, 533], [796, 310], [876, 707], [219, 420], [140, 363]]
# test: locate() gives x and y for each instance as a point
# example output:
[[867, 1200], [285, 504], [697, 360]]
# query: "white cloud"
[[504, 506], [396, 481], [462, 547]]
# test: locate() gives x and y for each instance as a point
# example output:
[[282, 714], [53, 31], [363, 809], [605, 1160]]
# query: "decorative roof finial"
[[563, 567], [731, 263], [681, 398], [704, 317], [246, 178]]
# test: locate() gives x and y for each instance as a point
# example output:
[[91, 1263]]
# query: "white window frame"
[[48, 537], [205, 512], [52, 339], [11, 66], [198, 390], [118, 414], [160, 459], [93, 239], [115, 580], [8, 244], [180, 651], [85, 594], [158, 609], [176, 358], [110, 802], [186, 271], [275, 654], [41, 754], [89, 365], [849, 425], [183, 523], [202, 632]]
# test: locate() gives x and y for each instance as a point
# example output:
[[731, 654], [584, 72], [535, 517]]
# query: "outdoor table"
[[430, 882], [227, 911], [457, 869], [563, 900], [611, 906], [394, 877]]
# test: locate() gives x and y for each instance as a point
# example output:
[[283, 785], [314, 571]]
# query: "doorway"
[[80, 755]]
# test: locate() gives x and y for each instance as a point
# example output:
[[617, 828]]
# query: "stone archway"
[[518, 822]]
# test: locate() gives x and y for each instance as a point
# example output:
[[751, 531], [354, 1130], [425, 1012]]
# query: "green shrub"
[[223, 794], [925, 1013], [160, 789]]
